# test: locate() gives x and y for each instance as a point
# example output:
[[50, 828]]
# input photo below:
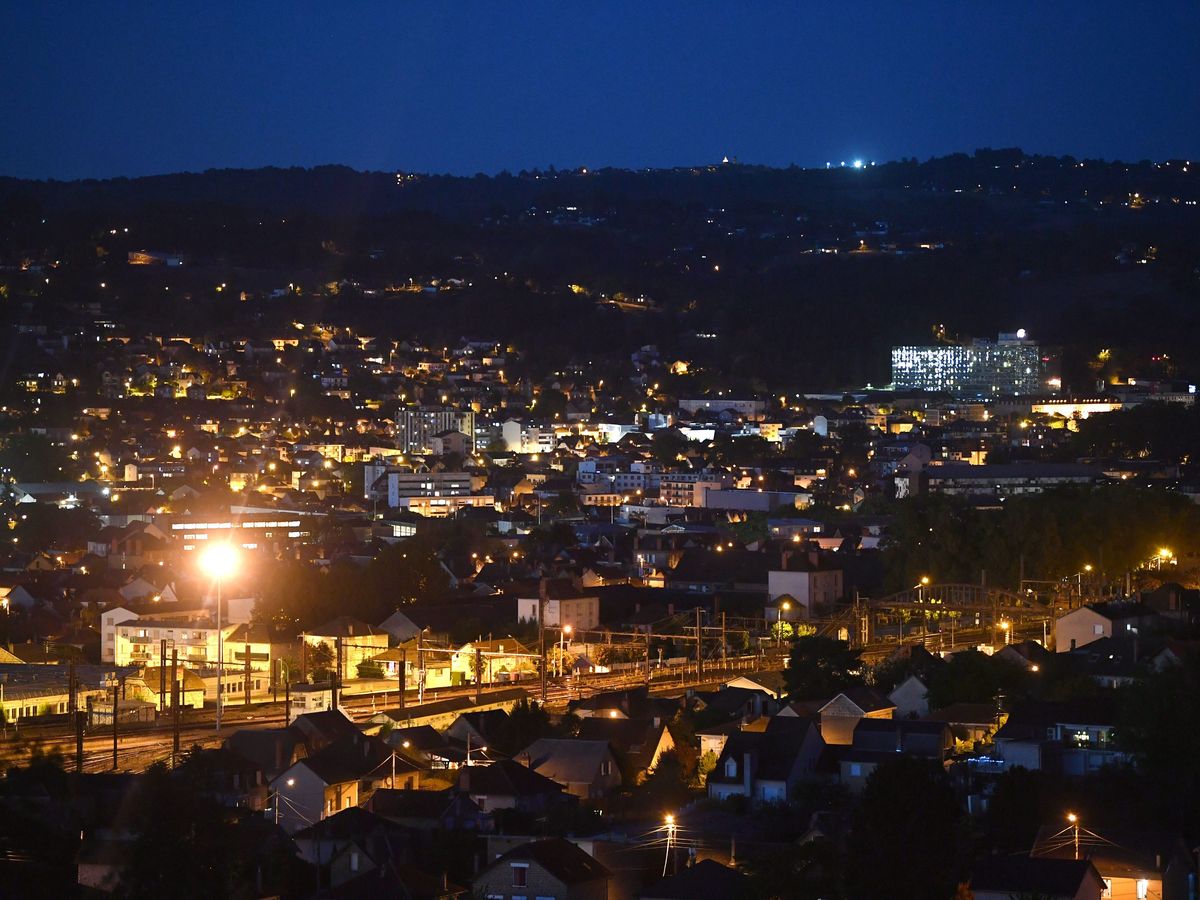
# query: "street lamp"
[[218, 562], [669, 824], [562, 649], [1074, 820], [1006, 627], [779, 620]]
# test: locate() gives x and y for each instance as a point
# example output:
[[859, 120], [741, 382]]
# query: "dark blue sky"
[[100, 89]]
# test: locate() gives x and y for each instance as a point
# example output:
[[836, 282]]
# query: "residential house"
[[806, 579], [1069, 738], [430, 811], [565, 602], [272, 750], [550, 868], [769, 682], [587, 769], [1132, 864], [877, 740], [502, 660], [1005, 877], [765, 766], [910, 698], [1098, 620], [638, 743], [359, 642], [706, 879], [337, 777], [841, 714], [507, 784], [971, 724]]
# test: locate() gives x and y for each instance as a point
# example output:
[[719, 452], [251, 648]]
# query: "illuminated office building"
[[1010, 366]]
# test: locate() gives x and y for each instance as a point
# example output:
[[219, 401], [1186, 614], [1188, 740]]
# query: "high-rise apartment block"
[[1010, 366]]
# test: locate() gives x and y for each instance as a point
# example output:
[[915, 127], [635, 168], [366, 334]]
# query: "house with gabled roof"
[[507, 784], [587, 769], [551, 867], [765, 766]]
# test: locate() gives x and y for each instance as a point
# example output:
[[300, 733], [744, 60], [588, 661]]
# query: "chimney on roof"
[[748, 774]]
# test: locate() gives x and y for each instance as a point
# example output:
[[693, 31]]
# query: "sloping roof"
[[866, 698], [567, 760], [707, 878], [560, 858], [771, 680], [773, 750], [324, 727], [636, 736], [344, 626], [1055, 878], [507, 778]]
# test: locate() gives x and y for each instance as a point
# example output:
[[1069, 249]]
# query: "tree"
[[527, 722], [320, 661], [907, 839], [667, 445], [820, 666], [974, 677], [1159, 721]]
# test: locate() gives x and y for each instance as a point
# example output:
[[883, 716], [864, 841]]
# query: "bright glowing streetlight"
[[1074, 820], [669, 824], [218, 561]]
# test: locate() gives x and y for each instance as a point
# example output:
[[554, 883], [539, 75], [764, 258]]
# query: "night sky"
[[98, 89]]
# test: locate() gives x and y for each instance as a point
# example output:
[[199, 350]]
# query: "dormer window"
[[731, 768]]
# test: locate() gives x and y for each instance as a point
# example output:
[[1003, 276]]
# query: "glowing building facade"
[[1008, 367]]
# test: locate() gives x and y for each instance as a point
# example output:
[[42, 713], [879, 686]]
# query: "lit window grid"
[[978, 370]]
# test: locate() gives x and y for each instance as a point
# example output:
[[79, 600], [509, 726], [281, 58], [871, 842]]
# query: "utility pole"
[[287, 702], [76, 719], [421, 670], [699, 647], [177, 695], [115, 706], [337, 671], [478, 676], [402, 676], [247, 674], [649, 633], [162, 675], [542, 636], [723, 651]]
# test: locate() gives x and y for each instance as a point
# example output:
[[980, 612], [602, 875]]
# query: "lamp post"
[[1074, 820], [275, 793], [219, 561], [669, 824], [779, 620], [1006, 627], [562, 649]]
